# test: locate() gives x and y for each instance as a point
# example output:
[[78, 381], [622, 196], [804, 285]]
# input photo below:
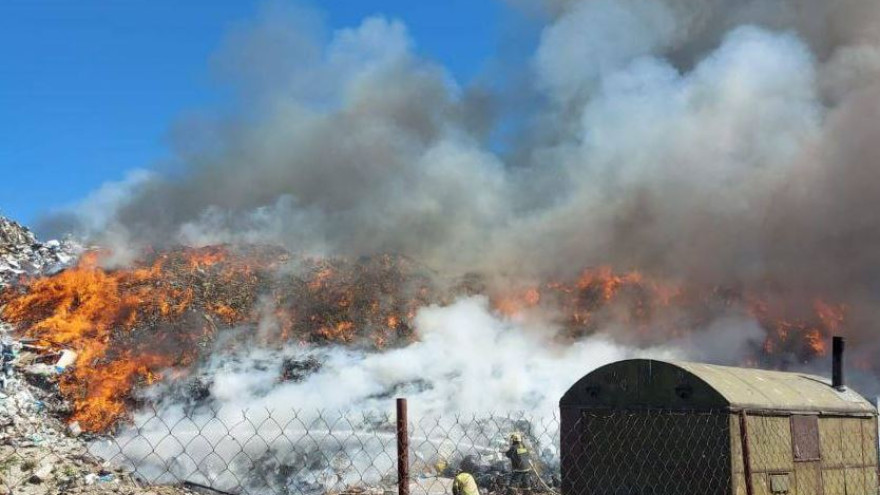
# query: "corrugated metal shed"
[[746, 388]]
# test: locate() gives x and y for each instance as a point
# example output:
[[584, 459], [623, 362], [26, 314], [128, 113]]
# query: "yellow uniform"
[[465, 484]]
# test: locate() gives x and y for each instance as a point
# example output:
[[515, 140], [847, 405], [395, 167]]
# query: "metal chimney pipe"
[[837, 345]]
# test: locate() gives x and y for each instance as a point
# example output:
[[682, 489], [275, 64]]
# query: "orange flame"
[[135, 326], [658, 310], [129, 326]]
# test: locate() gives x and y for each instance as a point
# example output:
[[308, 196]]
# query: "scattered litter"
[[67, 358], [42, 474], [74, 429], [40, 369]]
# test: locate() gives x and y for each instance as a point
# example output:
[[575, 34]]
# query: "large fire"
[[131, 326]]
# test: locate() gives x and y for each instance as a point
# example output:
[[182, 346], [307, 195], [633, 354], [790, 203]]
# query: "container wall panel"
[[736, 451], [855, 481], [770, 444], [830, 438], [869, 440], [739, 484], [833, 482], [851, 441], [870, 474], [808, 478], [761, 484]]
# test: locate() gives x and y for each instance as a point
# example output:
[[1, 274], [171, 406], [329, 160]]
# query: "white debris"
[[67, 358], [42, 474], [21, 254], [74, 429], [40, 369]]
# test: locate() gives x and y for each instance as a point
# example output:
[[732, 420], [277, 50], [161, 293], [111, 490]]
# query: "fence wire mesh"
[[289, 452], [656, 452], [629, 452], [588, 452]]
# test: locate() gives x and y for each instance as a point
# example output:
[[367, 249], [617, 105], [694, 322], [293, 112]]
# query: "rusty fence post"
[[402, 449]]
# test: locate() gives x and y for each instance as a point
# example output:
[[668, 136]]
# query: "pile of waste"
[[162, 314], [21, 254], [40, 454]]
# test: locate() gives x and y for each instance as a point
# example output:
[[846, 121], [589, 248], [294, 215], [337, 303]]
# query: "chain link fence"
[[620, 451], [593, 452], [289, 452], [662, 452]]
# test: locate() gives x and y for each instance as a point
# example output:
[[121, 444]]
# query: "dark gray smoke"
[[731, 143]]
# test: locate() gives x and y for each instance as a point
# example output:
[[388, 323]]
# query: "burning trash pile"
[[129, 326], [650, 310], [119, 330], [40, 454], [99, 346]]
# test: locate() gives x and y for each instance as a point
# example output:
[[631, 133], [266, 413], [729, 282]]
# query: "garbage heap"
[[40, 454], [21, 254]]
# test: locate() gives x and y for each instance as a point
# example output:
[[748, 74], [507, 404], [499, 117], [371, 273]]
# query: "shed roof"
[[659, 384], [766, 389]]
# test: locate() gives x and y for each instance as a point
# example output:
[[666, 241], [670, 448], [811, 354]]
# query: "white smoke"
[[664, 158], [465, 359], [597, 38], [466, 363], [353, 145]]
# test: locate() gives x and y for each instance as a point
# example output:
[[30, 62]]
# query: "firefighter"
[[521, 463], [464, 484]]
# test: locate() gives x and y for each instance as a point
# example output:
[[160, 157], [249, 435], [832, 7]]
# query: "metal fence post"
[[402, 449]]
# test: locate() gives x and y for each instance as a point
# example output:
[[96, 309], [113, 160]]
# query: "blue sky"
[[90, 88]]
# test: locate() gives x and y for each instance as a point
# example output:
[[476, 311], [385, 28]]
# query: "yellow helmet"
[[515, 437]]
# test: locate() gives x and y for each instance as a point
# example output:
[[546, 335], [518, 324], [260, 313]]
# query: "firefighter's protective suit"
[[464, 484], [520, 460]]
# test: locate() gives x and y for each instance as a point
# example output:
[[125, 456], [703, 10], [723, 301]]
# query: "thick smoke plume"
[[723, 144], [732, 146]]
